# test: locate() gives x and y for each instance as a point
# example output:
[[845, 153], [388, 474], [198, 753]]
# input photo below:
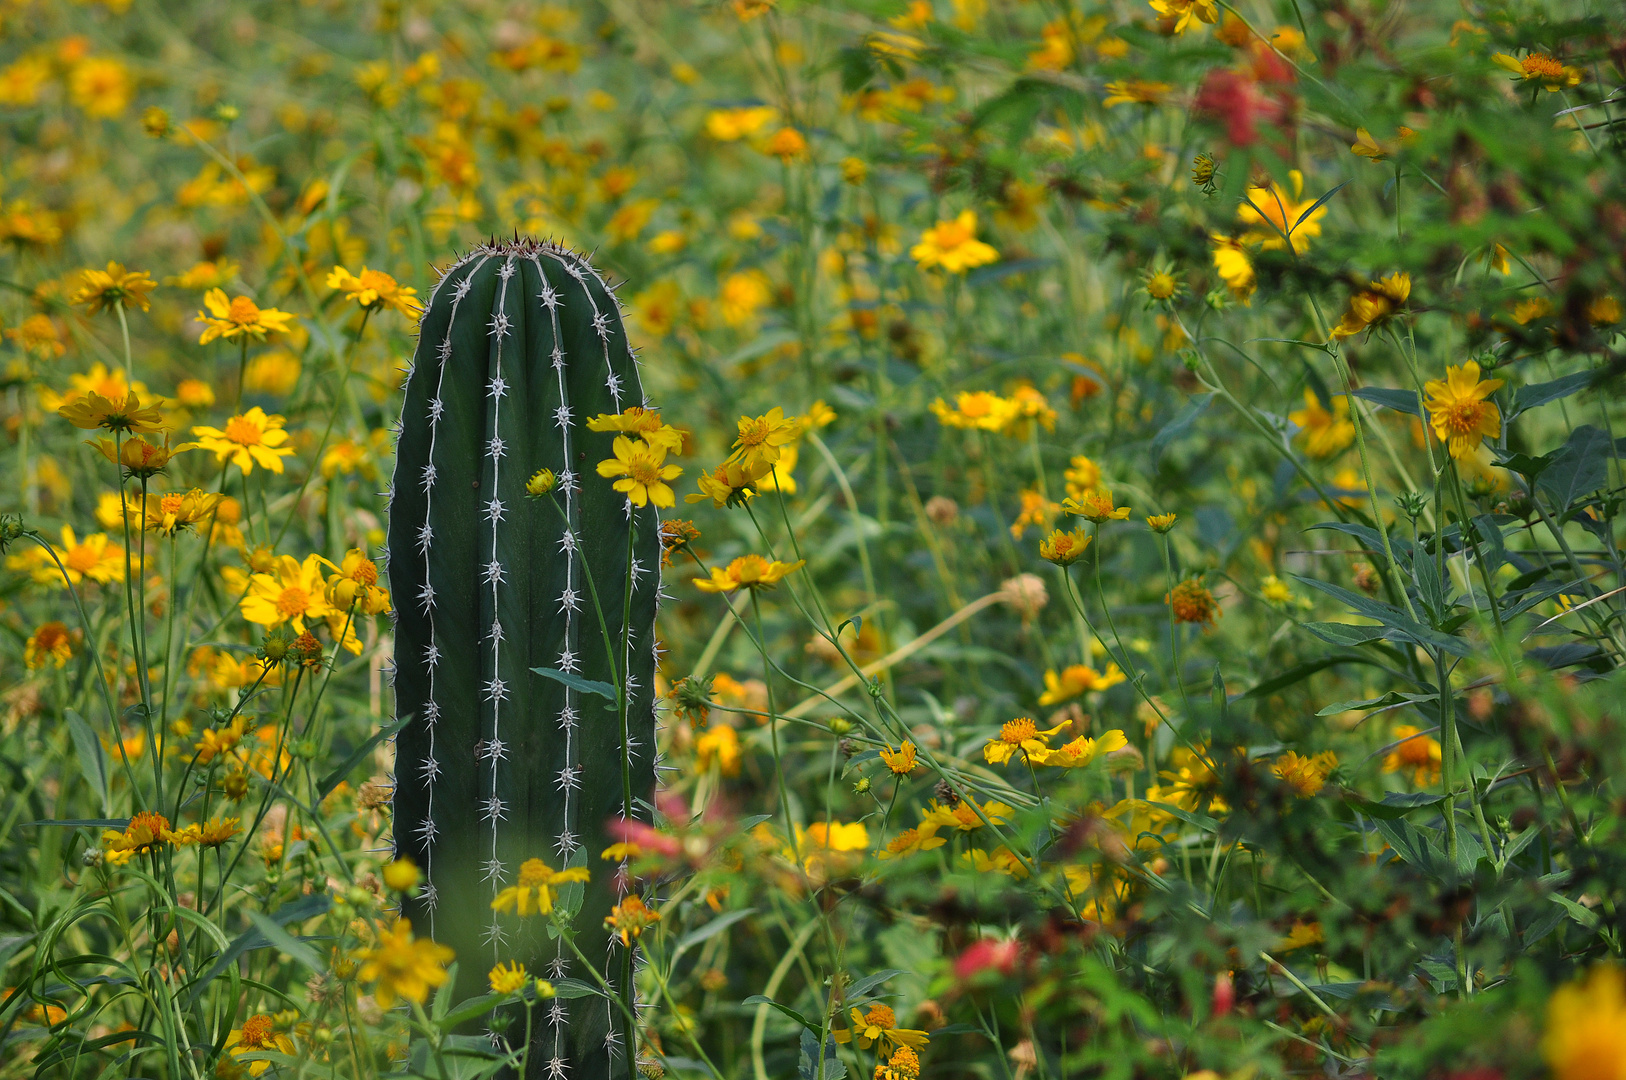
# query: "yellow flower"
[[205, 275], [729, 125], [720, 744], [213, 834], [1458, 410], [1076, 679], [644, 423], [50, 642], [904, 1064], [761, 439], [1528, 311], [95, 411], [100, 86], [1082, 475], [953, 245], [729, 484], [1064, 548], [1019, 734], [357, 583], [1416, 751], [248, 438], [744, 293], [1161, 523], [1096, 506], [900, 762], [1305, 775], [787, 144], [977, 409], [912, 842], [217, 741], [1178, 16], [820, 416], [1586, 1027], [114, 286], [1136, 92], [854, 170], [643, 472], [747, 571], [1036, 510], [1278, 212], [293, 593], [878, 1027], [374, 289], [257, 1035], [402, 875], [779, 475], [508, 980], [1374, 304], [1191, 602], [1551, 73], [1300, 934], [1082, 750], [143, 835], [237, 317], [540, 483], [537, 889], [37, 335], [169, 514], [403, 967], [1275, 590], [1233, 265], [92, 558], [1001, 861], [1323, 433], [630, 918], [962, 816], [1603, 311], [138, 457], [275, 373]]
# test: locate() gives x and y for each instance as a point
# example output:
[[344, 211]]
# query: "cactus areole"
[[521, 344]]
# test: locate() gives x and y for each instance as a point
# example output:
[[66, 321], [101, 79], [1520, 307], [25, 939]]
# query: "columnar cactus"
[[521, 344]]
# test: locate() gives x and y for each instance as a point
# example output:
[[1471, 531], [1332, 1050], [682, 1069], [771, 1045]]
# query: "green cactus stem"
[[521, 343]]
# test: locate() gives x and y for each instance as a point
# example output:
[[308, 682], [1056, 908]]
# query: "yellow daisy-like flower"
[[1374, 304], [1082, 750], [1136, 92], [899, 762], [1586, 1027], [209, 274], [1305, 775], [1458, 410], [878, 1027], [1416, 751], [953, 246], [630, 918], [50, 642], [977, 409], [1019, 734], [1553, 74], [508, 980], [172, 513], [138, 457], [646, 424], [1064, 548], [1278, 212], [292, 592], [95, 411], [1161, 523], [729, 484], [146, 833], [374, 289], [1178, 16], [258, 1034], [248, 439], [1002, 860], [731, 125], [537, 889], [761, 440], [100, 289], [912, 842], [747, 571], [719, 744], [94, 558], [962, 816], [237, 317], [1096, 506], [787, 144], [1234, 266], [1323, 433], [1076, 679], [643, 472], [402, 966]]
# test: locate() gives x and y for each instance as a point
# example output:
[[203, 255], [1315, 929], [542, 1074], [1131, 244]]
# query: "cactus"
[[520, 344]]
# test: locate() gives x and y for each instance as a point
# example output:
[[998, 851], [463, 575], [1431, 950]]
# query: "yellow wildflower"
[[257, 1035], [1551, 73], [1458, 410], [508, 980], [374, 289], [1278, 213], [1136, 92], [1586, 1027], [977, 409], [1191, 602], [953, 245], [1322, 432], [1076, 679], [1064, 548], [878, 1027], [912, 842], [95, 411], [643, 471], [248, 439], [100, 289], [1416, 751], [1178, 16], [238, 317], [719, 744], [537, 889], [900, 762], [630, 918], [1019, 734], [1374, 304], [748, 571], [403, 967], [293, 592], [1083, 750], [1305, 775], [50, 642], [1096, 506]]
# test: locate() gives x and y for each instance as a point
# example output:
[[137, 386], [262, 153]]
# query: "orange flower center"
[[1461, 417], [170, 504], [1415, 751], [951, 234], [243, 432], [753, 433], [644, 470], [82, 558], [882, 1016], [365, 573], [534, 872], [244, 312], [1540, 65], [293, 601], [256, 1032], [1017, 731]]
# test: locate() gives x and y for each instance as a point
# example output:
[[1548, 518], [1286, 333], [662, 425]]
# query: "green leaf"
[[1526, 398], [811, 1064], [576, 682], [716, 926], [1298, 673], [472, 1009], [1318, 204], [92, 758], [286, 942], [1392, 698], [1347, 634], [758, 999], [1578, 468], [1202, 821], [870, 982], [1395, 804], [575, 988], [250, 939], [336, 777], [1583, 915]]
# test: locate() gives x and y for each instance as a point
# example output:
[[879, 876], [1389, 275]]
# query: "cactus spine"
[[521, 343]]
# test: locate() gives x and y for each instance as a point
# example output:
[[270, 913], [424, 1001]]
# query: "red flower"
[[1224, 994], [1234, 98], [988, 955]]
